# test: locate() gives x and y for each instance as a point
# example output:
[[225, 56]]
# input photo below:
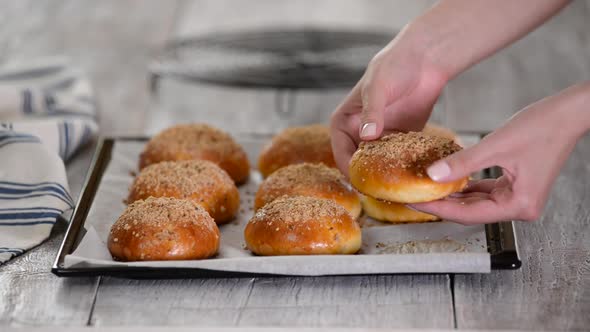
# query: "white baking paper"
[[438, 247]]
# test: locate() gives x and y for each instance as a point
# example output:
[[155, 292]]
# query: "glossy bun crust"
[[315, 180], [393, 168], [393, 212], [200, 181], [163, 229], [297, 145], [300, 225], [197, 141]]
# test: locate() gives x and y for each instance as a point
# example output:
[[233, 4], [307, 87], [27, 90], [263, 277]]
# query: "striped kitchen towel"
[[47, 111]]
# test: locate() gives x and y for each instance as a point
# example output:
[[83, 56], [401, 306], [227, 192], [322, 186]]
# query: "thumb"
[[373, 97], [462, 163]]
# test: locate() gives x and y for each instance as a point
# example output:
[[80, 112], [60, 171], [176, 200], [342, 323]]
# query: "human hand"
[[403, 81], [531, 148], [397, 92]]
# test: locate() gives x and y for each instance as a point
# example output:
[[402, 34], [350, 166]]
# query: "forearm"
[[455, 34], [575, 108]]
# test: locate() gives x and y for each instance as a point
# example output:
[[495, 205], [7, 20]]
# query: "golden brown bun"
[[163, 229], [297, 145], [393, 168], [315, 180], [393, 212], [437, 130], [300, 225], [200, 181], [197, 141]]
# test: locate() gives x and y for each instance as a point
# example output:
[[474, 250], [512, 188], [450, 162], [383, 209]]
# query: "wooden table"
[[115, 41]]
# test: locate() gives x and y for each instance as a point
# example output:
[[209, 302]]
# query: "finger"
[[488, 185], [343, 147], [484, 186], [374, 99], [462, 195], [343, 130], [471, 210], [462, 163], [352, 103]]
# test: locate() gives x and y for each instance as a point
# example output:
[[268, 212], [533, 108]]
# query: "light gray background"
[[116, 40]]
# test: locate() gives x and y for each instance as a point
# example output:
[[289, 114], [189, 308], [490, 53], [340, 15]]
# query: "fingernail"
[[439, 171], [368, 129]]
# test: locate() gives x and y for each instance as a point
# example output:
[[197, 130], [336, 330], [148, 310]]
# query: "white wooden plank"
[[31, 296], [224, 329], [376, 301], [364, 301], [206, 302]]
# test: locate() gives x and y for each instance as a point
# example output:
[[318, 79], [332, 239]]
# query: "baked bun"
[[163, 229], [301, 225], [297, 145], [316, 180], [200, 181], [437, 130], [197, 141], [393, 212], [393, 168]]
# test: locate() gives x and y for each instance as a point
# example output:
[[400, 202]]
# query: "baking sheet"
[[411, 248]]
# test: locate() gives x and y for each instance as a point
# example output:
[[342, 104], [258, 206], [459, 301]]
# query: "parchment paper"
[[408, 248]]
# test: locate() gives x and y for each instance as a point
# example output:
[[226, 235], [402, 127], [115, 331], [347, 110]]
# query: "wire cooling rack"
[[273, 58]]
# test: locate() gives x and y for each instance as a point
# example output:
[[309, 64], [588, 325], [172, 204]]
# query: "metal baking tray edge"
[[501, 237]]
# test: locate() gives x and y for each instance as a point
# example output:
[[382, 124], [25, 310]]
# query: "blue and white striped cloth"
[[47, 111]]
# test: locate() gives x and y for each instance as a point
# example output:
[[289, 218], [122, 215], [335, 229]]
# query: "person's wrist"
[[582, 108], [417, 41], [429, 44], [572, 111]]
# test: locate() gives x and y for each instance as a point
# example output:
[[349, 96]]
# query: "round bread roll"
[[316, 180], [393, 168], [297, 145], [393, 212], [163, 229], [200, 181], [301, 225], [197, 141]]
